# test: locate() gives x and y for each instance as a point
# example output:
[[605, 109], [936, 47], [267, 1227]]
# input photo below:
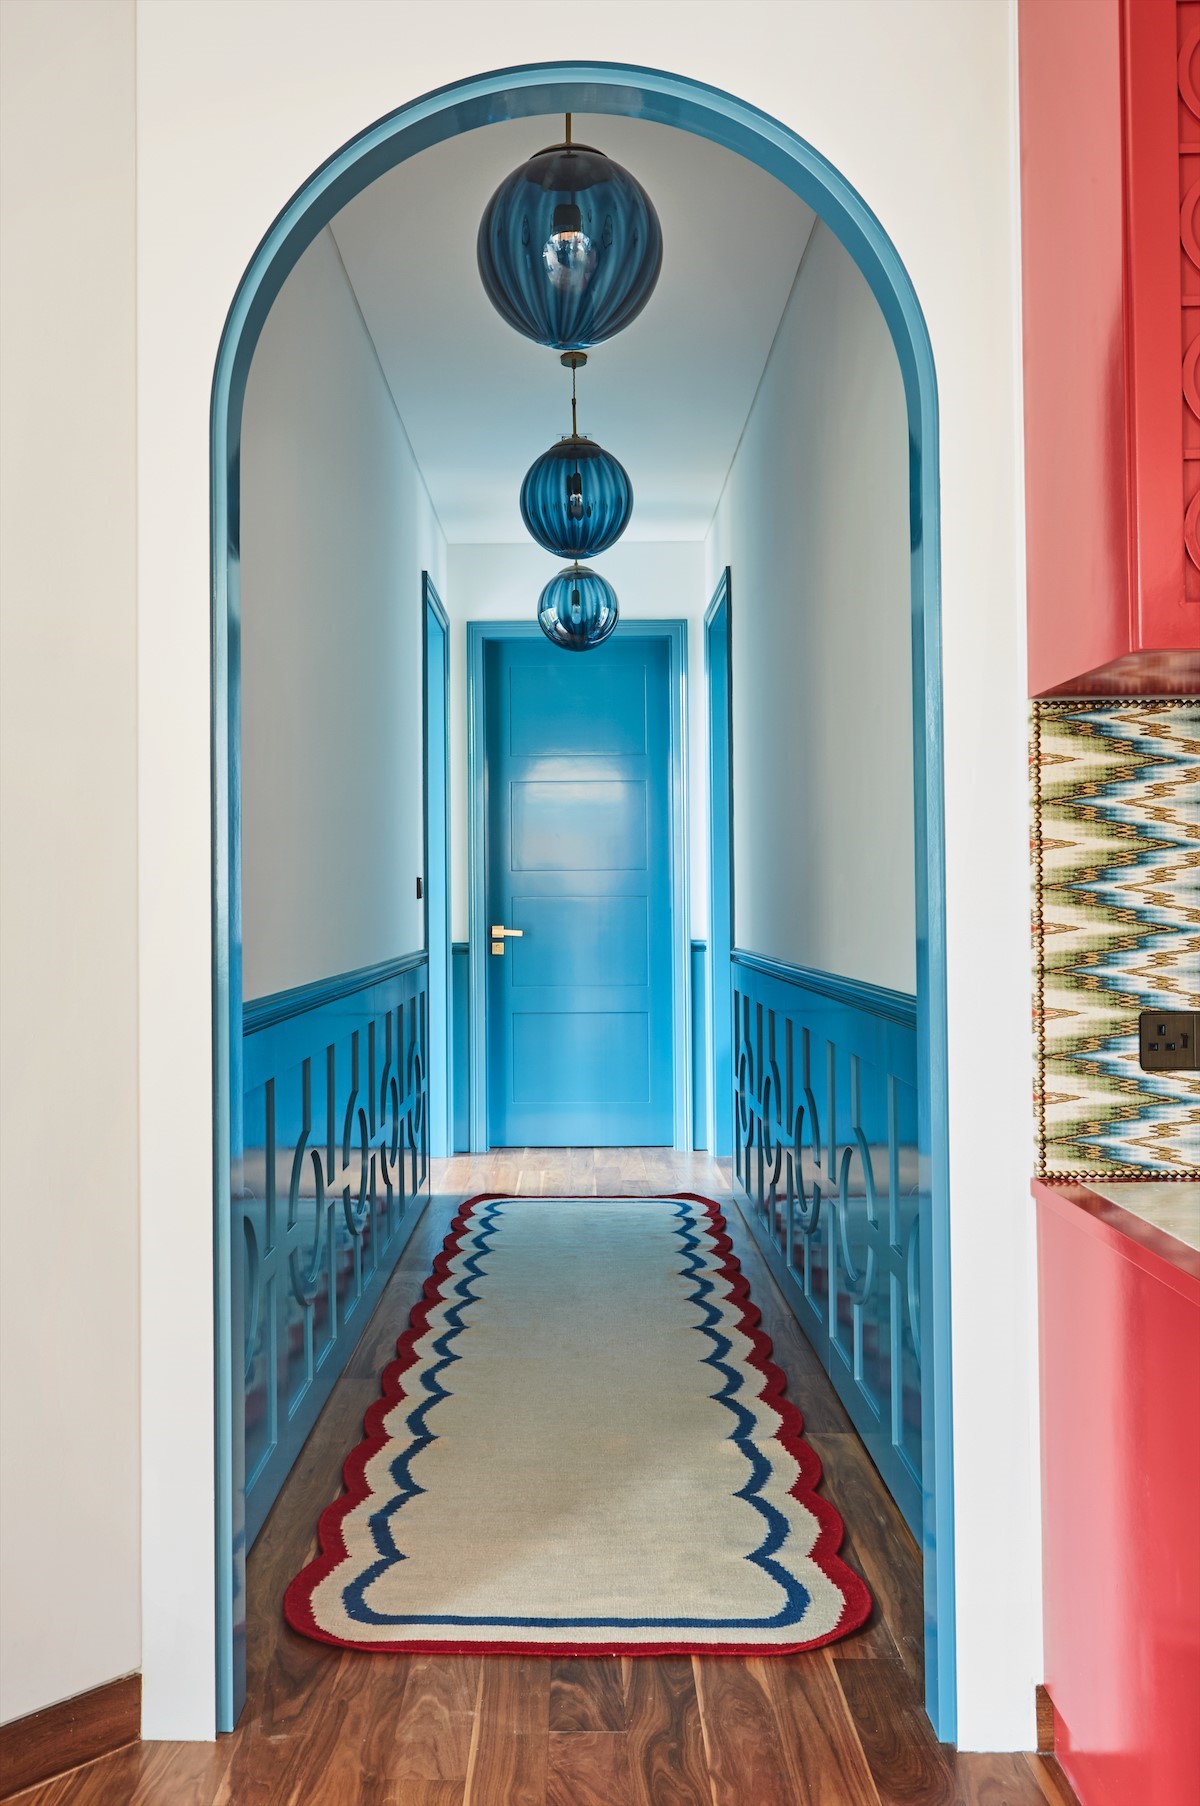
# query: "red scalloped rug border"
[[297, 1600]]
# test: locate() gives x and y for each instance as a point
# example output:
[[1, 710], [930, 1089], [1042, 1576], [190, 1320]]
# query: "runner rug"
[[582, 1447]]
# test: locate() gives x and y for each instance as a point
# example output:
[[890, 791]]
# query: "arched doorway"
[[709, 113]]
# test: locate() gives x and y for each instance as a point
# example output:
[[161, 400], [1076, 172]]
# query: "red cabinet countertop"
[[1129, 1230]]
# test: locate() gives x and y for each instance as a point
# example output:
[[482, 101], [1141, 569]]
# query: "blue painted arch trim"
[[724, 119], [718, 674], [436, 865]]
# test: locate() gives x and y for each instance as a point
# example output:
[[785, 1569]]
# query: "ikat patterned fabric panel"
[[1116, 850]]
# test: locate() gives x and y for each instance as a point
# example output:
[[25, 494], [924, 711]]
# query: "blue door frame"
[[578, 781], [673, 100], [479, 633], [718, 673], [435, 695]]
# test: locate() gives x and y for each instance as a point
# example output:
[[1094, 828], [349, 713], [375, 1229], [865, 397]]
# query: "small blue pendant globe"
[[570, 248], [577, 610], [576, 499]]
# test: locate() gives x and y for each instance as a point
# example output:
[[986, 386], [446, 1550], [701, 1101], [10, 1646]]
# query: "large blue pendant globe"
[[577, 610], [576, 499], [569, 248]]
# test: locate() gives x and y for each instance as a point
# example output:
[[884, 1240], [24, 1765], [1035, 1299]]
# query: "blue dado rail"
[[335, 1174], [825, 1133]]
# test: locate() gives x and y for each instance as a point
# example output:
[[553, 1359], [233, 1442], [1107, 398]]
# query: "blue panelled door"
[[579, 1003]]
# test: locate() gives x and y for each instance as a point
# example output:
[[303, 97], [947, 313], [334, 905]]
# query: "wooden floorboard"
[[588, 1768], [667, 1761], [842, 1726], [825, 1760], [587, 1695], [879, 1545], [741, 1733], [907, 1764]]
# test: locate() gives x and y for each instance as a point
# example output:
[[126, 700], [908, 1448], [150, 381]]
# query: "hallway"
[[839, 1726], [859, 347]]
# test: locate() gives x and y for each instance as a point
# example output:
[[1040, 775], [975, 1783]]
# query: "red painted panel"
[[1110, 198], [1163, 615], [1120, 1366], [1072, 287]]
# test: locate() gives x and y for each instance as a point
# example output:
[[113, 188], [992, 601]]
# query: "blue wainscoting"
[[335, 1175], [825, 1154]]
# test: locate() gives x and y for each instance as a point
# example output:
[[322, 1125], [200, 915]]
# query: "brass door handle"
[[500, 935]]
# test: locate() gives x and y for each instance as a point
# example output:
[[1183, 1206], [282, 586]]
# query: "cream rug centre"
[[582, 1446]]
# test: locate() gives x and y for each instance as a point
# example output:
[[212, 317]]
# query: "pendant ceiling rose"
[[570, 247], [578, 609]]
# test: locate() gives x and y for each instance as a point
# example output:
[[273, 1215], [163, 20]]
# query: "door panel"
[[589, 708], [610, 942], [580, 1007], [562, 1057], [579, 825]]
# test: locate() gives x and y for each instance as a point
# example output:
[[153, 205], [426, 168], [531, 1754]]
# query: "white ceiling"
[[669, 396]]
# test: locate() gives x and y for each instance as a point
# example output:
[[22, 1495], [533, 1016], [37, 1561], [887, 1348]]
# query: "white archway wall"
[[813, 523], [336, 529], [236, 105], [69, 1502]]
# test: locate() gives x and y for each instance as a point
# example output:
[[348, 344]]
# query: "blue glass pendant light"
[[577, 609], [570, 247], [576, 499]]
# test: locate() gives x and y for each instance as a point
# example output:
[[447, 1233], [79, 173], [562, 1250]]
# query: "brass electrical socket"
[[1167, 1040]]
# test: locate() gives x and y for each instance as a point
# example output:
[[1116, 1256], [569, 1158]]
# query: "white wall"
[[502, 583], [337, 527], [69, 1482], [813, 522], [915, 105]]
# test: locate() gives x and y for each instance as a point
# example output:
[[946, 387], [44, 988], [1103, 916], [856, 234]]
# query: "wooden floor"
[[840, 1726]]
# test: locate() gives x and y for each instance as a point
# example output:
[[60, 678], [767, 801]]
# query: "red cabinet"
[[1119, 1316], [1110, 226]]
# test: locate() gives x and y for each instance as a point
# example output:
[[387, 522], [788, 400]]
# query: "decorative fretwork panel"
[[336, 1160], [825, 1134]]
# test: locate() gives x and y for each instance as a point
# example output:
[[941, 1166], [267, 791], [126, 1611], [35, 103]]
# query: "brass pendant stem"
[[573, 361], [568, 137]]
